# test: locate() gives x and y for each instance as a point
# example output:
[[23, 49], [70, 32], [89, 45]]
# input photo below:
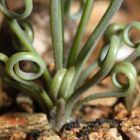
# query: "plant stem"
[[91, 43], [8, 13], [80, 32], [115, 93], [106, 65], [128, 41], [34, 92], [57, 82], [27, 44], [86, 73], [67, 80], [57, 32], [60, 113]]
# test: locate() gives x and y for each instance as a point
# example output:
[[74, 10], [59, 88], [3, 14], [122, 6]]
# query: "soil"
[[119, 125]]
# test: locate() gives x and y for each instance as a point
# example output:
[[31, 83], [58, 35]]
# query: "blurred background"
[[40, 20]]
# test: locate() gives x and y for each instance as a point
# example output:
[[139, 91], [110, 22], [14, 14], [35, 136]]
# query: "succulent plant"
[[59, 94]]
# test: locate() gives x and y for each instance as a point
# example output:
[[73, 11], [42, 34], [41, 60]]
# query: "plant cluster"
[[60, 93]]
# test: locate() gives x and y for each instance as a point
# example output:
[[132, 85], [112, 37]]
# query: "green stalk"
[[8, 13], [91, 43], [126, 33], [124, 89], [128, 41], [57, 82], [60, 113], [57, 32], [106, 65], [115, 93], [12, 65], [34, 92], [27, 44], [80, 32], [84, 75], [28, 87], [3, 58]]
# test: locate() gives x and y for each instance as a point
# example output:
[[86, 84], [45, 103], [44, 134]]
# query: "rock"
[[68, 136], [120, 112], [135, 113], [25, 103], [101, 129], [90, 113], [18, 136], [25, 126], [103, 134], [131, 126], [48, 135]]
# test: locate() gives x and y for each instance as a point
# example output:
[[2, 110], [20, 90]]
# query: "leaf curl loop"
[[126, 33], [12, 67], [129, 71], [123, 90], [113, 29], [129, 42], [11, 14], [106, 61]]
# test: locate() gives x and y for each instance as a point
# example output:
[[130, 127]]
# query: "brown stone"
[[104, 134], [18, 136], [100, 134], [135, 113], [49, 135], [25, 126], [25, 103], [120, 112], [90, 113], [131, 126], [101, 129]]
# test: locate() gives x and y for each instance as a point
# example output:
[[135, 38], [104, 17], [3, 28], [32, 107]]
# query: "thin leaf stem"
[[124, 89], [27, 44], [86, 73], [57, 32], [106, 65], [92, 41], [44, 102], [80, 32], [113, 93], [8, 13]]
